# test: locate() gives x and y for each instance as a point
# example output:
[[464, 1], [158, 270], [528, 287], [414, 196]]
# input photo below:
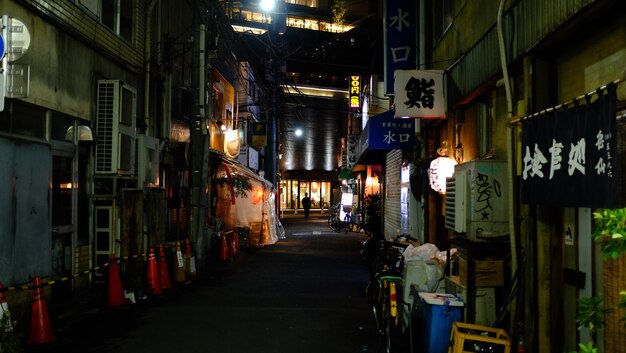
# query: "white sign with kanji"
[[419, 94]]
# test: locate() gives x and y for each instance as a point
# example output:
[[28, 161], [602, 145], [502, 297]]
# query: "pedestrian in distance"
[[306, 204]]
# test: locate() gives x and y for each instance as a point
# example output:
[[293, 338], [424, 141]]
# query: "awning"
[[384, 133], [345, 174]]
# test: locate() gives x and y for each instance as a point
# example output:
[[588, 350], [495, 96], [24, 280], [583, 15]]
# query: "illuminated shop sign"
[[419, 94], [355, 92]]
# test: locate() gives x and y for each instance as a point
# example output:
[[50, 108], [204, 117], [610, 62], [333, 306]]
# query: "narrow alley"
[[305, 293]]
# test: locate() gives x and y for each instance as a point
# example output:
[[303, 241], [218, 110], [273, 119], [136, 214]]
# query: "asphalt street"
[[304, 294]]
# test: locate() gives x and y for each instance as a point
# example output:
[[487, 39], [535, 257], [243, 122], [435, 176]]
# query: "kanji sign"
[[419, 94], [383, 132], [400, 39], [569, 156], [353, 144]]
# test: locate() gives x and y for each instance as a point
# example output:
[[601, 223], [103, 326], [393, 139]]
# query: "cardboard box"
[[489, 273]]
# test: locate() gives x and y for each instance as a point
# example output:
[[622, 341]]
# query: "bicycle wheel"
[[376, 303], [392, 319]]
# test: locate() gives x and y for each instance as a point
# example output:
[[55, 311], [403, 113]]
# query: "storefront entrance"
[[292, 192]]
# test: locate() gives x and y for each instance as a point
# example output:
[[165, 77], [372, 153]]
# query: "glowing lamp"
[[441, 168]]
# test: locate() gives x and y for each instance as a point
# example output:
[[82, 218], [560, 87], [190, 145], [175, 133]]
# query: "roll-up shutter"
[[392, 194]]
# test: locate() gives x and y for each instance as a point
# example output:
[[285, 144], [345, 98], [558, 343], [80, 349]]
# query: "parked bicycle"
[[384, 290], [333, 219]]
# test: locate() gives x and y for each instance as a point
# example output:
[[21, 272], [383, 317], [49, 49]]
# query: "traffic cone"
[[179, 265], [40, 327], [115, 295], [234, 244], [190, 261], [154, 287], [223, 247], [164, 275], [5, 315]]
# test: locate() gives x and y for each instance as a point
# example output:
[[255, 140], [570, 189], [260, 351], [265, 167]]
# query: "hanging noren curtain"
[[569, 155]]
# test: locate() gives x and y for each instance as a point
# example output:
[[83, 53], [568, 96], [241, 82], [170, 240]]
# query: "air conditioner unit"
[[476, 200], [115, 128]]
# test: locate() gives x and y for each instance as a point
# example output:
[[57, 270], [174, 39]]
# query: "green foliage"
[[587, 348], [610, 232], [339, 11], [590, 314], [373, 208]]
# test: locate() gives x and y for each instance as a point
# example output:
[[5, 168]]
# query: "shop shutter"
[[391, 217]]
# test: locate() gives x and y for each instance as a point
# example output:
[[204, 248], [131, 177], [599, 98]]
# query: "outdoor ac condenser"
[[115, 150], [476, 200]]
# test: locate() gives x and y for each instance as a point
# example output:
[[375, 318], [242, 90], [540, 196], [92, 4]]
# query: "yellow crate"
[[463, 333]]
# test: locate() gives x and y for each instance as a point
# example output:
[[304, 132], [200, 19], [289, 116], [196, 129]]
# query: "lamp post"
[[274, 65]]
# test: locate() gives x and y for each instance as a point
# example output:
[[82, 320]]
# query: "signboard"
[[232, 143], [569, 156], [259, 135], [384, 132], [353, 143], [14, 42], [419, 94], [355, 92], [400, 39], [249, 157], [2, 46]]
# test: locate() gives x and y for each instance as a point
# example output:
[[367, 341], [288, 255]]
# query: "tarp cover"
[[247, 202]]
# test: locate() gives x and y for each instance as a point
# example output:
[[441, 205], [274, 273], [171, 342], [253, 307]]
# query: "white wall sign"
[[419, 94]]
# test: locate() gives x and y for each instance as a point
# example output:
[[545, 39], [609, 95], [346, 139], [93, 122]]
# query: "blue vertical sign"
[[400, 39]]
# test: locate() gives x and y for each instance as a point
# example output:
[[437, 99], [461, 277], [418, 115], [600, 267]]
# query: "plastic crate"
[[468, 338]]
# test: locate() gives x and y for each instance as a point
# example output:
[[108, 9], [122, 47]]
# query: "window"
[[309, 3], [116, 15]]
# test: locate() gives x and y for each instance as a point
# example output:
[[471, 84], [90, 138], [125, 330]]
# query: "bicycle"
[[333, 220], [385, 288]]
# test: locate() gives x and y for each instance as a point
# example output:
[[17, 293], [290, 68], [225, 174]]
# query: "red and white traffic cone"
[[164, 275], [40, 327], [115, 292], [154, 286]]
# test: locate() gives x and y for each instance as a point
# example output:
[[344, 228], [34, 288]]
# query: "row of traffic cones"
[[158, 278]]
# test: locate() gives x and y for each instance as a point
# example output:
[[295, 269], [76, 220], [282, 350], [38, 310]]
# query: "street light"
[[267, 5]]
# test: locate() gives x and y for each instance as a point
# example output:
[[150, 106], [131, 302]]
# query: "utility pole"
[[199, 141]]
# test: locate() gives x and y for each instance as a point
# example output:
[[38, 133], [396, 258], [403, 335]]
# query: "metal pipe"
[[510, 152]]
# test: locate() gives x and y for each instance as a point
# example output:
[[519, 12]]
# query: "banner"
[[569, 156], [400, 38], [419, 94]]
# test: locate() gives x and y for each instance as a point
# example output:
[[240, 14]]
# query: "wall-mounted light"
[[84, 133], [440, 169]]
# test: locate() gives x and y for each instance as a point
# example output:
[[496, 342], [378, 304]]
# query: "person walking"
[[306, 204]]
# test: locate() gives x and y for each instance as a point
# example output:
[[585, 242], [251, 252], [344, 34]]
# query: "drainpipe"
[[148, 48], [510, 152]]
